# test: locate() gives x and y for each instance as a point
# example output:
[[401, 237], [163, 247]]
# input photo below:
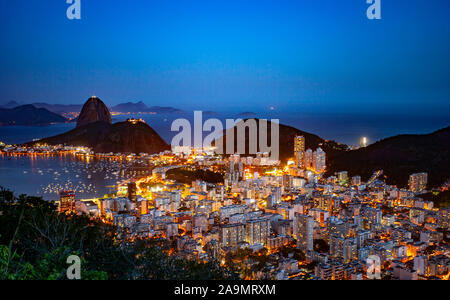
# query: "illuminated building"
[[135, 121], [309, 156], [213, 249], [304, 231], [274, 198], [319, 215], [337, 228], [356, 180], [342, 177], [323, 271], [319, 160], [200, 221], [388, 220], [324, 203], [175, 196], [417, 216], [87, 207], [132, 192], [372, 217], [235, 172], [298, 182], [362, 237], [172, 230], [232, 234], [67, 201], [299, 151], [343, 248], [160, 223], [330, 271], [287, 181], [257, 231], [237, 218], [143, 207], [275, 242], [227, 211], [199, 186], [418, 182], [124, 220]]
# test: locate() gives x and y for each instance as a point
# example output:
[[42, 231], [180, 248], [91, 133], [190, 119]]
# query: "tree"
[[321, 246], [40, 240]]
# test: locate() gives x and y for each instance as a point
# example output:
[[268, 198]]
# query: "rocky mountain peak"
[[94, 110]]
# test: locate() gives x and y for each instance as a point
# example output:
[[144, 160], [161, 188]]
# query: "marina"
[[46, 176]]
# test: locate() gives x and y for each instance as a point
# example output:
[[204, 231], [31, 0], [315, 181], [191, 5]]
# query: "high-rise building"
[[231, 234], [418, 182], [235, 171], [356, 180], [337, 228], [299, 151], [213, 249], [229, 210], [287, 181], [200, 221], [342, 176], [276, 194], [343, 248], [372, 216], [257, 231], [319, 160], [132, 192], [309, 159], [143, 207], [67, 201], [304, 231]]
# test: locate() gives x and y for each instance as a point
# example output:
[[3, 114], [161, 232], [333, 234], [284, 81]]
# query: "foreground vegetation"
[[35, 242]]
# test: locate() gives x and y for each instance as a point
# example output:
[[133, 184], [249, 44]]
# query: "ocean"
[[45, 177]]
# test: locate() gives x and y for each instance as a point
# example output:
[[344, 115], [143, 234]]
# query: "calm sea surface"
[[47, 176]]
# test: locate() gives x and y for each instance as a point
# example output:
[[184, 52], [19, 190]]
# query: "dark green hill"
[[102, 137], [440, 199], [399, 157], [28, 115], [287, 135]]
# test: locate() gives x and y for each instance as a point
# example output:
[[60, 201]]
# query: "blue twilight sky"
[[303, 55]]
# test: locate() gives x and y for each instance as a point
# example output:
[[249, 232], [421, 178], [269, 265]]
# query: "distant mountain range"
[[398, 156], [55, 108], [129, 107], [60, 108], [246, 114], [141, 107], [28, 115], [11, 104]]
